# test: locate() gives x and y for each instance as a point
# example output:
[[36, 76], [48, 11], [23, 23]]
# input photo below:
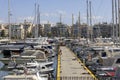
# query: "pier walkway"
[[71, 68]]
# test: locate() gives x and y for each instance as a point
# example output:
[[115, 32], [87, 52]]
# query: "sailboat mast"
[[79, 33], [72, 26], [35, 21], [116, 19], [72, 19], [38, 21], [87, 20], [60, 18], [119, 17], [90, 21], [113, 20], [35, 14], [9, 19]]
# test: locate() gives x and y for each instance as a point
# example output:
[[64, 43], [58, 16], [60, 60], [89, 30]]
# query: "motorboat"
[[36, 64], [42, 67], [36, 76]]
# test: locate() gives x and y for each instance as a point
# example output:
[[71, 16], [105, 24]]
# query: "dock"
[[71, 68]]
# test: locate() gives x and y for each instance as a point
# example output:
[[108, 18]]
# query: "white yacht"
[[36, 76]]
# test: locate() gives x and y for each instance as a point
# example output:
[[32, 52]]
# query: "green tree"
[[29, 34], [49, 34], [3, 33]]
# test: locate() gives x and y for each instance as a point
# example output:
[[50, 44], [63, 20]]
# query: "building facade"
[[47, 30], [60, 30], [103, 30]]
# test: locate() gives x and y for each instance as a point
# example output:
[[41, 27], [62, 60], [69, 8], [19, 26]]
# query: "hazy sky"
[[50, 10]]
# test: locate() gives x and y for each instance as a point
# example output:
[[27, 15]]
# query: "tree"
[[29, 34], [49, 34], [3, 33]]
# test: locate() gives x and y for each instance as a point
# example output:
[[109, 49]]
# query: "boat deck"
[[24, 77], [71, 68]]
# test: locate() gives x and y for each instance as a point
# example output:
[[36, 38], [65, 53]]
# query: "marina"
[[60, 40], [65, 66], [33, 63], [68, 59]]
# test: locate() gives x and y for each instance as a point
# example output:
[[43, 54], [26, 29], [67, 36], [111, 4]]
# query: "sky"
[[50, 10]]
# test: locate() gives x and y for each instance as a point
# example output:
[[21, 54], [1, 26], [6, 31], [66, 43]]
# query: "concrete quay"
[[71, 68]]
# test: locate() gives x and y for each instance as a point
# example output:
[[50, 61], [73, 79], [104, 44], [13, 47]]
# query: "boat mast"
[[72, 19], [35, 19], [87, 21], [119, 17], [60, 18], [9, 14], [38, 21], [116, 19], [25, 31], [90, 21], [113, 21], [72, 26], [79, 33]]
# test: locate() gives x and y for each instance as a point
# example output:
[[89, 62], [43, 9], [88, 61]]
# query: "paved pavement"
[[70, 66]]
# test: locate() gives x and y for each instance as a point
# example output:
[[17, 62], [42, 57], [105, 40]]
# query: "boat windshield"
[[118, 61]]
